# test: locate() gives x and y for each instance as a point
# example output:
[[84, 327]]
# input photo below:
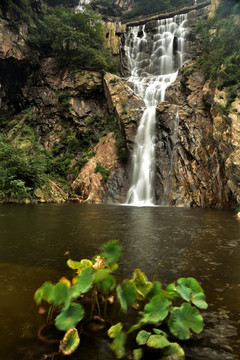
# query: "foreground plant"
[[163, 314], [173, 309]]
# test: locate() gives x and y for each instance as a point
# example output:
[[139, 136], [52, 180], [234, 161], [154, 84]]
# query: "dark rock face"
[[125, 104], [190, 166]]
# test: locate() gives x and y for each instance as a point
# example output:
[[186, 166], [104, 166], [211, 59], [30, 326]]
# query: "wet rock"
[[190, 170], [107, 184], [12, 43], [125, 105], [113, 34]]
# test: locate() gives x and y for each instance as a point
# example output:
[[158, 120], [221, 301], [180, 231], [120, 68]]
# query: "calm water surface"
[[190, 242]]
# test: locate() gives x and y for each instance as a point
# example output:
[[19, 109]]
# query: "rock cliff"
[[197, 145]]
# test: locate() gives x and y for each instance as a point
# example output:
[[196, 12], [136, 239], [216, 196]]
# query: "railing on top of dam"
[[140, 20]]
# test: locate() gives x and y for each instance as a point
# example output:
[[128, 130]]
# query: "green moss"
[[188, 71], [102, 170]]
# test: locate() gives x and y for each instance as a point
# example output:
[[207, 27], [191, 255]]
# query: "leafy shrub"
[[121, 146], [22, 10], [76, 40], [104, 171], [221, 48], [21, 169]]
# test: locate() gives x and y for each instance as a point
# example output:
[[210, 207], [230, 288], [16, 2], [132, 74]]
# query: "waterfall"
[[79, 7], [154, 57]]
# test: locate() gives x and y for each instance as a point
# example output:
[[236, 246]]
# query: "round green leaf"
[[142, 337], [137, 354], [107, 284], [61, 294], [190, 290], [159, 332], [184, 319], [143, 286], [199, 300], [127, 294], [157, 341], [191, 283], [100, 275], [112, 251], [70, 342], [112, 267], [79, 265], [69, 318], [119, 337], [83, 284], [115, 330], [156, 310], [172, 290], [48, 291], [174, 351], [184, 292], [155, 290], [38, 296]]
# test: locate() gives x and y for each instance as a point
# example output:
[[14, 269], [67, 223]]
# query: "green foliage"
[[86, 298], [104, 171], [112, 251], [190, 290], [188, 71], [143, 286], [22, 10], [184, 319], [221, 44], [69, 317], [121, 146], [156, 310], [173, 351], [157, 341], [142, 337], [22, 168], [137, 354], [119, 338], [76, 40], [127, 294], [83, 283]]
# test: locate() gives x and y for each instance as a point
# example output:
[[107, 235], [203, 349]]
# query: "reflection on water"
[[188, 242]]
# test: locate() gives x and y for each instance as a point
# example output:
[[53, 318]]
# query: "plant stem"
[[93, 304], [50, 313], [99, 312], [155, 274], [105, 306]]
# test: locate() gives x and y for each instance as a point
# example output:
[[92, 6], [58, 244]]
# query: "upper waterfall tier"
[[81, 3], [154, 57]]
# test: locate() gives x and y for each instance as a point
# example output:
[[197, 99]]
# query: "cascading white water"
[[154, 62], [79, 7]]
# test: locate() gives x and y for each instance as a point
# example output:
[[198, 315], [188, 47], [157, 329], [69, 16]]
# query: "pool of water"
[[201, 243]]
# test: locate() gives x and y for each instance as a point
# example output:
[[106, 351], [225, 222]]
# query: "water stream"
[[154, 58], [80, 5]]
